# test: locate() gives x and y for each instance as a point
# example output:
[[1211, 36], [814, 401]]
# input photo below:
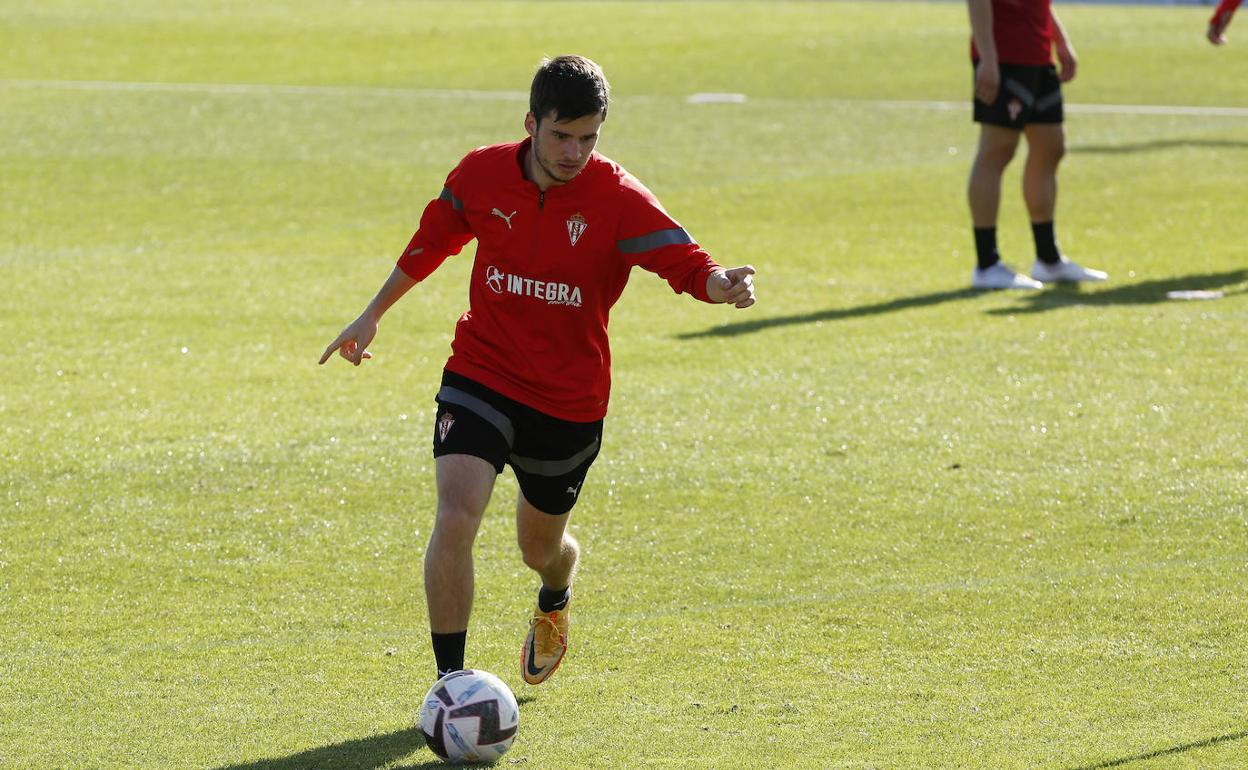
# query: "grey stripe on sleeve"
[[481, 409], [554, 467], [447, 195], [654, 240]]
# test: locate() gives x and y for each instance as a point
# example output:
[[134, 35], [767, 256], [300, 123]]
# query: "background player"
[[1018, 92]]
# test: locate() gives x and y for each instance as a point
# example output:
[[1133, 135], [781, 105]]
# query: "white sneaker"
[[1065, 272], [1000, 276]]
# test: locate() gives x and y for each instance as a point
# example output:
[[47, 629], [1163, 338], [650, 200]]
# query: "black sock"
[[448, 649], [1046, 243], [986, 247], [550, 599]]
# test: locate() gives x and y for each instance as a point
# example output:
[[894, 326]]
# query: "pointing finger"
[[335, 345]]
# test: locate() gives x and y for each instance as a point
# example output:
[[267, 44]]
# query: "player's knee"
[[1047, 145], [538, 554], [456, 523], [997, 156]]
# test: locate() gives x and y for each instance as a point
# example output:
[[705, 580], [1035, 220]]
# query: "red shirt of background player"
[[1023, 31]]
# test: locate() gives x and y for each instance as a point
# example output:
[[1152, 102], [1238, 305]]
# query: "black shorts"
[[1027, 95], [549, 456]]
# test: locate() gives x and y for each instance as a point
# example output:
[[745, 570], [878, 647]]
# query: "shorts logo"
[[444, 426], [494, 278], [576, 226], [1015, 109], [554, 292]]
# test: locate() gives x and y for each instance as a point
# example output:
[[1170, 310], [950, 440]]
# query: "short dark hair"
[[572, 86]]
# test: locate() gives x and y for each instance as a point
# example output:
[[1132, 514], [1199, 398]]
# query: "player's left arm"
[[734, 286], [652, 240], [1066, 59], [688, 269]]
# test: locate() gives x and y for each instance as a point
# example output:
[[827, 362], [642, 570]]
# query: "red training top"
[[1222, 16], [549, 266], [1023, 32]]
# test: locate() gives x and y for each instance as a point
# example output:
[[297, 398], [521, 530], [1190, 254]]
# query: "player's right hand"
[[987, 81], [352, 343]]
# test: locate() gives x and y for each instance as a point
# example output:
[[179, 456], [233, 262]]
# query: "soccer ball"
[[469, 716]]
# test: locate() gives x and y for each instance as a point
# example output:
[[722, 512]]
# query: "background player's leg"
[[1046, 144], [464, 486], [996, 149], [983, 191]]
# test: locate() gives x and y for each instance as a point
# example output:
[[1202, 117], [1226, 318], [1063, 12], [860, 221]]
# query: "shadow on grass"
[[1062, 295], [1156, 145], [832, 314], [1166, 752], [360, 754], [1147, 292]]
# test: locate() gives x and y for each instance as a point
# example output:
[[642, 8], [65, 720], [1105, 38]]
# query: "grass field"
[[877, 521]]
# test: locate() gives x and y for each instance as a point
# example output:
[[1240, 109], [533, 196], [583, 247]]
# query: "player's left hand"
[[1067, 62], [733, 287], [1214, 33]]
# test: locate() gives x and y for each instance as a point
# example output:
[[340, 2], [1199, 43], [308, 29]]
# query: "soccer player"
[[1219, 21], [1018, 92], [558, 229]]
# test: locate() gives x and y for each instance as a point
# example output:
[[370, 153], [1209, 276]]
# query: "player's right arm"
[[443, 232], [987, 72], [352, 343]]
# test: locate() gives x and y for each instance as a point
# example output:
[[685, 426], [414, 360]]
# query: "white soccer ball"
[[469, 716]]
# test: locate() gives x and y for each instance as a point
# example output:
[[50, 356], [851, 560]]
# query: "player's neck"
[[534, 172]]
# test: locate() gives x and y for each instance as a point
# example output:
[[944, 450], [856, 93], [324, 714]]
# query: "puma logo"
[[505, 217]]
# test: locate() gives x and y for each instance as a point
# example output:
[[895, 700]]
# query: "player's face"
[[561, 148]]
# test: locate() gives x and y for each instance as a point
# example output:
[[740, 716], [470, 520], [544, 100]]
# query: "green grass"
[[877, 521]]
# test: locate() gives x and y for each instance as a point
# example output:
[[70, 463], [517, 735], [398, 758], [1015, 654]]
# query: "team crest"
[[1015, 107], [576, 227], [444, 426]]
